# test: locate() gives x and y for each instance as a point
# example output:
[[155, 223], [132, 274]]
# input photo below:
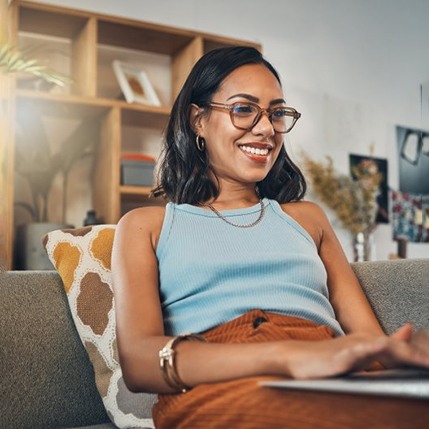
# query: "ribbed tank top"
[[212, 272]]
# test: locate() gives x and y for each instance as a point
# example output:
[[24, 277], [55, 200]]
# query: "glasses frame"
[[269, 112]]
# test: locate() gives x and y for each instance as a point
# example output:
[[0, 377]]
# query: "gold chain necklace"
[[246, 225]]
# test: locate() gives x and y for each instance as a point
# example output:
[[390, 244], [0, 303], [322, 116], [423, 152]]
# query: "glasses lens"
[[244, 115], [282, 119]]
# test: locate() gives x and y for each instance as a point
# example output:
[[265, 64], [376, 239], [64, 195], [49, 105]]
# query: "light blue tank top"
[[212, 272]]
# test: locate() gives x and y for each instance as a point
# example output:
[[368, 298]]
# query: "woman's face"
[[231, 151]]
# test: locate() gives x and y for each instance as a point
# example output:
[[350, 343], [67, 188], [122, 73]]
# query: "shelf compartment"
[[142, 36], [50, 21], [156, 66], [59, 32]]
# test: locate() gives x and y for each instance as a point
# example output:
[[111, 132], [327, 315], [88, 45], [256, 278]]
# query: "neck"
[[235, 198]]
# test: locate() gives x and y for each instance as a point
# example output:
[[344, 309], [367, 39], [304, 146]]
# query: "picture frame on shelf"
[[135, 84]]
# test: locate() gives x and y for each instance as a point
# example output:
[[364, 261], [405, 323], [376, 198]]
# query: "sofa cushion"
[[398, 291], [82, 258], [44, 370]]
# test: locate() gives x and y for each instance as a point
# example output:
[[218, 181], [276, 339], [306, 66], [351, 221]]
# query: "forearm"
[[197, 363]]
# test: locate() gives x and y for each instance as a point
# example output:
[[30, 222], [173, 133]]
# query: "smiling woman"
[[253, 97], [240, 261]]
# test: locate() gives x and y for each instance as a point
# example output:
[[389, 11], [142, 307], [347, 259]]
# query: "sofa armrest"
[[46, 377], [398, 291]]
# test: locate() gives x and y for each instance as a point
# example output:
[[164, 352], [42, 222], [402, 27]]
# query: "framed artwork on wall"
[[135, 84], [410, 217], [413, 160], [378, 165]]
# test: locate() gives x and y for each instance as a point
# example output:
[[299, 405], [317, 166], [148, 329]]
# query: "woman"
[[239, 259]]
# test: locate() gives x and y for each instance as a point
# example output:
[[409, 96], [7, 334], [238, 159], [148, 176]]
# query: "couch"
[[47, 380]]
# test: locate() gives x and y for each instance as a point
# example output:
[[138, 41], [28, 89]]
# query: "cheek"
[[222, 135], [279, 145]]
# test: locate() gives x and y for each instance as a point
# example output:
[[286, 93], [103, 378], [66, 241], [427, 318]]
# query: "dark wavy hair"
[[184, 171]]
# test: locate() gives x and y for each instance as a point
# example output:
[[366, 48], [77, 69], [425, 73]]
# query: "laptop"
[[409, 382]]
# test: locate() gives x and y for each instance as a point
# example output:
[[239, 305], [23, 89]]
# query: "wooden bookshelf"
[[81, 45]]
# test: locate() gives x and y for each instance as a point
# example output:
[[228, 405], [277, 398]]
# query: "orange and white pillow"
[[82, 258]]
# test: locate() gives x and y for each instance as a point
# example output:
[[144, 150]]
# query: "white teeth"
[[254, 151]]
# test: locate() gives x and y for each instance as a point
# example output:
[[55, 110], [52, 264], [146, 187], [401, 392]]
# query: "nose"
[[263, 125]]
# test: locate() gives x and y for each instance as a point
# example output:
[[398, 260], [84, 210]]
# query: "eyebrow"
[[256, 99]]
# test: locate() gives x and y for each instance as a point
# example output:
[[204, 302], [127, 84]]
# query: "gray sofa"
[[46, 379]]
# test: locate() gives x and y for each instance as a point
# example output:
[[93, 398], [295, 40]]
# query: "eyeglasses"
[[245, 115]]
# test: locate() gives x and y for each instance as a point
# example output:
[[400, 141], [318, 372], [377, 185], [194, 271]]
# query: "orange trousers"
[[243, 404]]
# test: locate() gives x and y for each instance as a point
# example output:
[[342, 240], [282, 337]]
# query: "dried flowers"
[[354, 201]]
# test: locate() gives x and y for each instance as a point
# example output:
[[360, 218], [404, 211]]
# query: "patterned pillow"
[[82, 259]]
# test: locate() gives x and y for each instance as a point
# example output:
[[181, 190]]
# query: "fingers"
[[422, 335], [403, 349], [420, 344], [404, 333]]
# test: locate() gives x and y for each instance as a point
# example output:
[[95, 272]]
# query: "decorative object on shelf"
[[91, 218], [354, 201], [40, 166], [402, 247], [36, 162], [137, 169], [135, 84], [30, 254], [410, 217]]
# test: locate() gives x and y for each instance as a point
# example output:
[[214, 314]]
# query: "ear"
[[195, 115]]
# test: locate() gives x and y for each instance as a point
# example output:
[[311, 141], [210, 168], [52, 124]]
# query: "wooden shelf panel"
[[63, 105], [35, 18], [75, 105], [135, 191], [138, 196], [140, 117], [142, 36], [213, 42]]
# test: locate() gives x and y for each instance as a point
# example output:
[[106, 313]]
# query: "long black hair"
[[184, 171]]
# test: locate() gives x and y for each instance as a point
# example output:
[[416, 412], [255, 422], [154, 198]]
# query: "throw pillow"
[[82, 258]]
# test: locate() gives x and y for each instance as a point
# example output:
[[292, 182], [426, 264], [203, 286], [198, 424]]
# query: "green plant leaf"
[[13, 61]]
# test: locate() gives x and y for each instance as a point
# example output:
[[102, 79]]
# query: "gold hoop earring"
[[200, 143]]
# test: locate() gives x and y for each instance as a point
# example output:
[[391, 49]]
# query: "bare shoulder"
[[310, 216], [144, 216], [302, 208], [142, 221]]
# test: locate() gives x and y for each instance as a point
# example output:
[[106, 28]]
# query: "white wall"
[[352, 67]]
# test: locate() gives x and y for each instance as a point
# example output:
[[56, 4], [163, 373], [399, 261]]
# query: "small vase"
[[30, 253], [363, 246]]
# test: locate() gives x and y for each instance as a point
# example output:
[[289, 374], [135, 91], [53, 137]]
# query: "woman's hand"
[[417, 351], [356, 352]]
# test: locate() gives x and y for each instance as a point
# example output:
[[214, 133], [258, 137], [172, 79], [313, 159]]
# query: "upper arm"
[[350, 304], [135, 277]]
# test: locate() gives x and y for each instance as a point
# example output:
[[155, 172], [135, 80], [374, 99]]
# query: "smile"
[[254, 150]]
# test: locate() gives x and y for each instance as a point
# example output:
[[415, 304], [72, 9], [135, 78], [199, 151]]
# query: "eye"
[[280, 112], [243, 109]]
